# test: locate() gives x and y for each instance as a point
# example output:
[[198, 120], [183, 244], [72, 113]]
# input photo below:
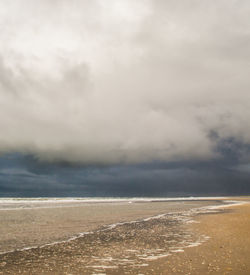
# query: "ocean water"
[[43, 202]]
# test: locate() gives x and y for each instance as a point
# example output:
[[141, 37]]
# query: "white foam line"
[[102, 199], [207, 209], [194, 244], [80, 201], [177, 250], [231, 203]]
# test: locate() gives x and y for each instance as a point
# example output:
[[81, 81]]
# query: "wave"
[[29, 203]]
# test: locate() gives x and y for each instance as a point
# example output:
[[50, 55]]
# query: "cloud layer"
[[110, 82]]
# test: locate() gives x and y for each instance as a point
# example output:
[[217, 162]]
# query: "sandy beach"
[[183, 238], [226, 252]]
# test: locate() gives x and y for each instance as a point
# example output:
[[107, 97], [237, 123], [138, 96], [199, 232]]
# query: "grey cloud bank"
[[23, 176], [124, 82]]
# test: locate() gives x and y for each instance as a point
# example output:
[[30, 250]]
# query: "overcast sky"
[[128, 85]]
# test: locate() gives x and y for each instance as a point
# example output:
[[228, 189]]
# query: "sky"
[[124, 97]]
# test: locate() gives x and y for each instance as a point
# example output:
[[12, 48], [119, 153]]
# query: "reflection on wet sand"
[[122, 247]]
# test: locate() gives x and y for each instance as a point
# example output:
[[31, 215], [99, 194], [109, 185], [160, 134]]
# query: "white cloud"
[[123, 81]]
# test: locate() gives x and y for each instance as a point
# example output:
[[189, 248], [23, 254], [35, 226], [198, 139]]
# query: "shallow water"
[[31, 203], [33, 222], [118, 248]]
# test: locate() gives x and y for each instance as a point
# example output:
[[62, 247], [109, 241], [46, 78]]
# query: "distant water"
[[43, 202]]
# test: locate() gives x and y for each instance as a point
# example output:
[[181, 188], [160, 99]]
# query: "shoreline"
[[48, 203], [21, 228], [181, 226], [225, 252], [108, 226]]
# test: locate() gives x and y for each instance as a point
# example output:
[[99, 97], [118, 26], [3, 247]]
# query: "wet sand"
[[162, 245], [38, 226], [226, 252]]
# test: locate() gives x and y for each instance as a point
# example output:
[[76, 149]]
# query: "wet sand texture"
[[226, 252], [31, 227], [120, 249], [149, 246]]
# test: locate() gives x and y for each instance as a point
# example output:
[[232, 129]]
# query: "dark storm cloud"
[[28, 177]]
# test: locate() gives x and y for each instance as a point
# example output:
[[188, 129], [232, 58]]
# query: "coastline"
[[30, 227], [225, 252], [146, 254]]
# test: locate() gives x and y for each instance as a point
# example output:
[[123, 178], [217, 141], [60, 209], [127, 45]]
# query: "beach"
[[123, 237], [226, 252]]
